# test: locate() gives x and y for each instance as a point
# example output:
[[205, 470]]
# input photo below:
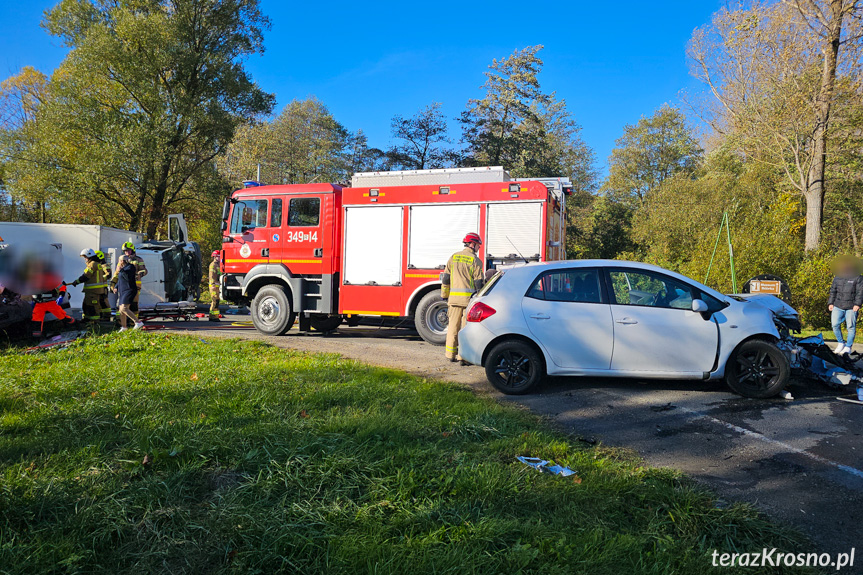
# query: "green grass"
[[261, 460], [829, 335]]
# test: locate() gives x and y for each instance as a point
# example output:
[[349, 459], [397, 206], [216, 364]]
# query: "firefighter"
[[93, 286], [131, 257], [105, 268], [215, 272], [461, 278]]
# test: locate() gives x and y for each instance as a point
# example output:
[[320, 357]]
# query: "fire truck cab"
[[327, 253]]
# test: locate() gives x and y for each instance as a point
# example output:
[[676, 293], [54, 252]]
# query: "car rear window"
[[489, 285], [572, 285]]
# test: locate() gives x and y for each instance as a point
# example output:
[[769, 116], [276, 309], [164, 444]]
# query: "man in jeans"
[[846, 297]]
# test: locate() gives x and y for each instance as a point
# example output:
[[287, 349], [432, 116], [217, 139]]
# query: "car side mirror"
[[699, 306]]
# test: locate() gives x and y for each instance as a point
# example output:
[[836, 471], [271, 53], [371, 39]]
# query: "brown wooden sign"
[[765, 286]]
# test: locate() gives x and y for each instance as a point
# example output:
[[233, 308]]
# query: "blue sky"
[[612, 62]]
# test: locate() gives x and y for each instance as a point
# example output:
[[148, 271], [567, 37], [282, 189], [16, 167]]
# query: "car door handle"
[[540, 316], [625, 321]]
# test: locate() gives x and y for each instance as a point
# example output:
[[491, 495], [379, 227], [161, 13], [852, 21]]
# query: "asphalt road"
[[799, 461]]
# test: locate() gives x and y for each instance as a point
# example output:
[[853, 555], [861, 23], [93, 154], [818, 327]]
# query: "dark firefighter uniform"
[[93, 287], [140, 271], [105, 268], [462, 277], [214, 274]]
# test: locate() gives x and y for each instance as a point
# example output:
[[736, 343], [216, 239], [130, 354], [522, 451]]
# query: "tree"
[[511, 92], [650, 152], [422, 135], [827, 22], [150, 94], [775, 71], [21, 96], [304, 143], [526, 131]]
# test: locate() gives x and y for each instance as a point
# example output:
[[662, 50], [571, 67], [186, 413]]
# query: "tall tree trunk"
[[815, 191], [157, 211]]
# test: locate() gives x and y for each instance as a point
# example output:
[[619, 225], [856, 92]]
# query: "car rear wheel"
[[757, 369], [431, 319], [271, 311], [514, 367]]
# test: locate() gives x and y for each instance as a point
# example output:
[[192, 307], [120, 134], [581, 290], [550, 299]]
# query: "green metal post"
[[715, 246], [730, 253]]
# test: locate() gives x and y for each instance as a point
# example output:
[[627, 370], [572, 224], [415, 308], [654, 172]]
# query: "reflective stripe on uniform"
[[95, 286], [461, 293]]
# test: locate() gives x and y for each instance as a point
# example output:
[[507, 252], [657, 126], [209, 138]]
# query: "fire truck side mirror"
[[224, 225]]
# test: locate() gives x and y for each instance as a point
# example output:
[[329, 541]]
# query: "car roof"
[[533, 268]]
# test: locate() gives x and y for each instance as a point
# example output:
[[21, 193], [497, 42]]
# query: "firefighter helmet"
[[88, 253], [100, 254], [472, 238], [215, 254], [129, 246]]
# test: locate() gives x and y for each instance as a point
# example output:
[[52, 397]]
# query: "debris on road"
[[543, 466], [58, 341], [811, 357], [786, 395]]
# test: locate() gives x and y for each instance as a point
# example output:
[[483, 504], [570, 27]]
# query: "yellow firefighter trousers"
[[457, 315], [214, 301]]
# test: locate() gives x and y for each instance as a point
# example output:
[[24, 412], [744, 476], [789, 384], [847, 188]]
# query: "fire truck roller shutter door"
[[514, 228], [436, 232], [373, 245]]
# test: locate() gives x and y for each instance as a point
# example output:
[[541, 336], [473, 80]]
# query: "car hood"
[[779, 308]]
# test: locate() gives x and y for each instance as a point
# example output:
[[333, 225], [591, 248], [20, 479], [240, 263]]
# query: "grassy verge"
[[140, 452], [828, 334]]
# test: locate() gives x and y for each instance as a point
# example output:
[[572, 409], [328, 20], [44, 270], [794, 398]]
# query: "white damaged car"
[[608, 318]]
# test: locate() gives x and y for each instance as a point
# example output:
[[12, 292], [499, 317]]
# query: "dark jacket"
[[127, 287], [846, 292]]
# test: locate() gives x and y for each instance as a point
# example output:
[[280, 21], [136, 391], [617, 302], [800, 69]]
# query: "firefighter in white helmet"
[[461, 278], [94, 285]]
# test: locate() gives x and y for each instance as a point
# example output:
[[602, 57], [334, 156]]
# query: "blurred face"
[[128, 252]]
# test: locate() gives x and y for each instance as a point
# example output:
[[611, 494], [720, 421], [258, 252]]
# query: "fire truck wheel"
[[431, 318], [271, 311], [325, 323]]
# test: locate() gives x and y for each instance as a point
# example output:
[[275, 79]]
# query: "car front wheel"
[[514, 367], [757, 369]]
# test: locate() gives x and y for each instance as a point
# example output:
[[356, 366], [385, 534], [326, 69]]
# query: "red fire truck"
[[327, 253]]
